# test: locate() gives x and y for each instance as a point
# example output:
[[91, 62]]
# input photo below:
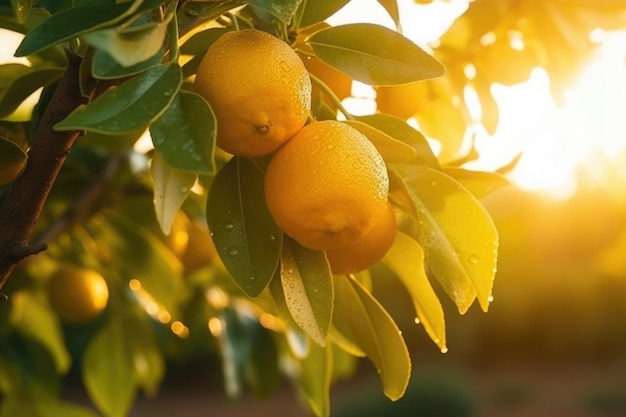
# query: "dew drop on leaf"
[[473, 259], [229, 226], [233, 252]]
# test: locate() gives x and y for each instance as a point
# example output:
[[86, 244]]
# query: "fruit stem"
[[331, 94]]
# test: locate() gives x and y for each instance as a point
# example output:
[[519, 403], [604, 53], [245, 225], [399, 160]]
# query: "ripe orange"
[[340, 83], [327, 185], [200, 250], [367, 250], [258, 88], [78, 295]]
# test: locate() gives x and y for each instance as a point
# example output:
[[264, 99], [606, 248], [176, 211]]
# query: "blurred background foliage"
[[559, 296]]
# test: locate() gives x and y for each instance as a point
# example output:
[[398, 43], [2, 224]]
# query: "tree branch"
[[23, 202]]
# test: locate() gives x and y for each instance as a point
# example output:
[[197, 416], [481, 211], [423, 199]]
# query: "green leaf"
[[458, 235], [135, 103], [406, 260], [12, 160], [199, 42], [153, 264], [53, 407], [245, 234], [360, 318], [108, 371], [18, 81], [373, 54], [392, 150], [31, 316], [400, 130], [308, 288], [148, 361], [282, 9], [315, 377], [185, 134], [75, 21], [479, 183], [314, 11], [297, 340], [21, 9], [131, 45], [171, 188], [105, 67], [391, 6]]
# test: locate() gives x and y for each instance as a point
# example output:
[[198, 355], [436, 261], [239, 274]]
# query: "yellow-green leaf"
[[406, 259], [246, 237], [360, 318], [32, 316], [308, 288], [392, 150], [171, 188], [479, 183], [458, 235], [314, 378], [373, 54], [108, 371]]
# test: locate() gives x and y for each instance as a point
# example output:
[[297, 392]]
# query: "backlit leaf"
[[12, 160], [373, 54], [315, 377], [297, 340], [21, 9], [314, 11], [75, 21], [282, 9], [153, 264], [53, 407], [135, 103], [199, 42], [18, 81], [132, 45], [105, 67], [391, 6], [185, 134], [308, 289], [360, 318], [245, 234], [392, 150], [479, 183], [171, 188], [400, 130], [108, 371], [406, 260], [33, 317], [458, 235]]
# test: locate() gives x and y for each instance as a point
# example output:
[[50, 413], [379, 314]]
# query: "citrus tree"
[[249, 220]]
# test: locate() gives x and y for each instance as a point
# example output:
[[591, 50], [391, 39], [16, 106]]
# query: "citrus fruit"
[[200, 249], [326, 186], [258, 88], [368, 249], [338, 82], [78, 295]]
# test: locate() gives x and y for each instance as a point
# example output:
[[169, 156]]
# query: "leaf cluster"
[[145, 188]]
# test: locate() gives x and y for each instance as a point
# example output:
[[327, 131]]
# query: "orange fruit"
[[368, 249], [258, 88], [200, 250], [78, 295], [327, 185], [340, 83]]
